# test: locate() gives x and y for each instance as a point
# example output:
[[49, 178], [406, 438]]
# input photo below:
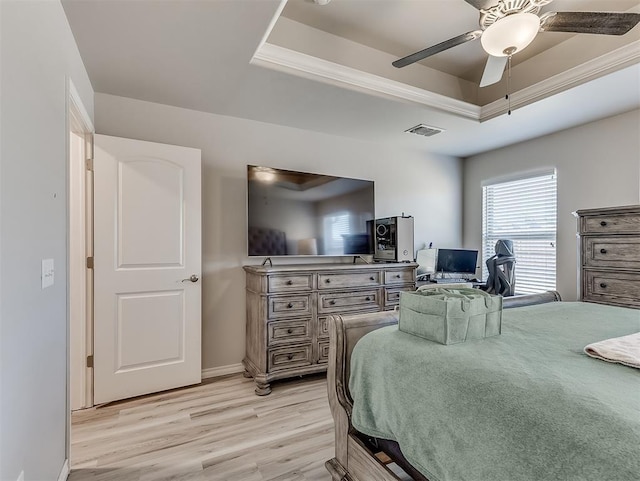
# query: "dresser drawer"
[[289, 357], [612, 287], [323, 351], [343, 280], [289, 306], [392, 295], [398, 276], [290, 283], [347, 301], [282, 332], [620, 251], [611, 223]]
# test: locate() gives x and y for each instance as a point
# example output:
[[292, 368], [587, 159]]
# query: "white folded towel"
[[623, 350]]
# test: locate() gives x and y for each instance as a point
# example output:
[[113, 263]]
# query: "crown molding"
[[274, 56], [590, 70], [284, 59]]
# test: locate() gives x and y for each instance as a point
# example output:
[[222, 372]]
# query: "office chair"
[[502, 266]]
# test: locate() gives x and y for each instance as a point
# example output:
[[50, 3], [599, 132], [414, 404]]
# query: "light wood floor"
[[215, 431]]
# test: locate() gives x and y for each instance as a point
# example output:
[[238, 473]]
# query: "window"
[[335, 227], [523, 211]]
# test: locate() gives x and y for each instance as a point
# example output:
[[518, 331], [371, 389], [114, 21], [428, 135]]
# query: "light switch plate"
[[47, 273]]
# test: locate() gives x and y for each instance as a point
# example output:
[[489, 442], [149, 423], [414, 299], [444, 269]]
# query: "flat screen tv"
[[303, 214], [457, 261]]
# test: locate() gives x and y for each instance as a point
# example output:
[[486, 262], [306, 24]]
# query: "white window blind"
[[523, 211], [335, 226]]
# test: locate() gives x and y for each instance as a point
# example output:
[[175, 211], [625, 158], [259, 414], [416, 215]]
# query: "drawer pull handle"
[[332, 302], [289, 305], [603, 285], [290, 356], [603, 223], [397, 276], [289, 282], [289, 331], [603, 251], [328, 281], [367, 298], [372, 278]]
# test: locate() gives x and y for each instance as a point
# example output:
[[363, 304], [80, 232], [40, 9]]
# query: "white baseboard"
[[222, 370], [64, 473]]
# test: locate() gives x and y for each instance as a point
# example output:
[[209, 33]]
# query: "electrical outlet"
[[47, 273], [21, 477]]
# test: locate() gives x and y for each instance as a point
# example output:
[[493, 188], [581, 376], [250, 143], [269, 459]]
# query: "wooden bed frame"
[[355, 459]]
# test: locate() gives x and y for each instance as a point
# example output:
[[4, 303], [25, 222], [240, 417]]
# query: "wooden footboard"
[[353, 460]]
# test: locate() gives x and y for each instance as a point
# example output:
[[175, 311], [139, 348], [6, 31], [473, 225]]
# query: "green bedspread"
[[526, 405]]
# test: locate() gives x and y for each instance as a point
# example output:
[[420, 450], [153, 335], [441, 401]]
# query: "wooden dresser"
[[610, 255], [287, 309]]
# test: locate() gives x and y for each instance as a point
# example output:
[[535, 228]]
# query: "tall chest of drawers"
[[610, 255], [288, 306]]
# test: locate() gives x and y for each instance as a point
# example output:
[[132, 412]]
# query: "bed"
[[598, 438]]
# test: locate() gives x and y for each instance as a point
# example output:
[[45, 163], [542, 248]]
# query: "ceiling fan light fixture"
[[510, 34]]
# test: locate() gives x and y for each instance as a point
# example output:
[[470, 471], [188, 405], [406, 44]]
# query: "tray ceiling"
[[329, 68], [352, 33]]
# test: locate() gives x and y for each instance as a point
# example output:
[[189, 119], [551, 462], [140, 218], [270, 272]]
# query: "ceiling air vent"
[[426, 130]]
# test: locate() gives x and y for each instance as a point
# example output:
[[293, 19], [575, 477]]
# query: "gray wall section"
[[38, 52], [598, 165], [427, 187]]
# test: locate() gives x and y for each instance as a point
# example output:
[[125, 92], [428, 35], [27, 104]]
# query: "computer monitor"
[[458, 261]]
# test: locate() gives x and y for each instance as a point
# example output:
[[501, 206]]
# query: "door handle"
[[193, 278]]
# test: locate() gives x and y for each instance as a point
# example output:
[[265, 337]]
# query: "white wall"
[[598, 165], [427, 187], [38, 52]]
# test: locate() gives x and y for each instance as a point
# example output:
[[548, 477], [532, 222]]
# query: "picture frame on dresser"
[[288, 308]]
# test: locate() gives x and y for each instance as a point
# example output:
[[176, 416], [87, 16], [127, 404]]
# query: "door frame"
[[79, 122]]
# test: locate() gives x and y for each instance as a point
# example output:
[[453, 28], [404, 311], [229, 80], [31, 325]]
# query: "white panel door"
[[147, 265]]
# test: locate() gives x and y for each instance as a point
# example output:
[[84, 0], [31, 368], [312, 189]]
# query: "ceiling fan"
[[508, 26]]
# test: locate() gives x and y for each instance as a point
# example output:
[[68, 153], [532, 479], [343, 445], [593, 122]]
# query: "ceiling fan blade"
[[427, 52], [603, 23], [482, 4], [493, 70]]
